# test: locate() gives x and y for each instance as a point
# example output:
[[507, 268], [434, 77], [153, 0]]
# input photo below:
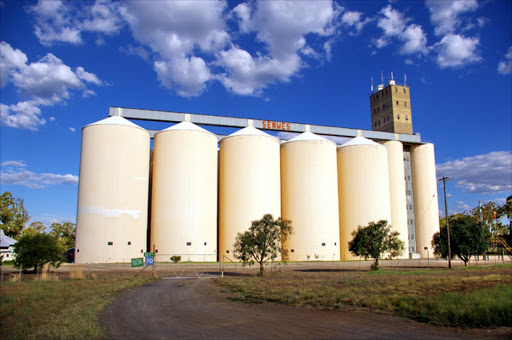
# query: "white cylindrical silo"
[[249, 184], [309, 197], [363, 188], [113, 192], [398, 198], [426, 208], [184, 194]]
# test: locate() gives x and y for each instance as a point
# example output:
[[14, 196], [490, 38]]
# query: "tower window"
[[396, 89], [205, 243], [383, 106], [377, 109], [405, 104], [374, 111], [110, 243], [388, 118], [292, 250], [379, 122], [397, 103], [405, 91], [406, 117], [398, 116], [375, 124], [129, 243], [189, 243]]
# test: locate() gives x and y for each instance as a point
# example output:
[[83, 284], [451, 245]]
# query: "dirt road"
[[195, 308]]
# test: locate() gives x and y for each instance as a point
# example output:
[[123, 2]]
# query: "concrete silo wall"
[[113, 192], [184, 194], [309, 198], [363, 188], [249, 184], [397, 192], [426, 208]]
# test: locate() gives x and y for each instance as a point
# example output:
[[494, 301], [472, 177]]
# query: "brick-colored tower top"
[[391, 109]]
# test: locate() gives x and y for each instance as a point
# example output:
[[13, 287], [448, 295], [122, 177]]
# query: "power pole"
[[444, 179], [480, 209]]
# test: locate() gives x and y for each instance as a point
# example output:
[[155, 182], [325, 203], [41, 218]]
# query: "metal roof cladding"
[[115, 120], [250, 131], [308, 136], [187, 126], [360, 141]]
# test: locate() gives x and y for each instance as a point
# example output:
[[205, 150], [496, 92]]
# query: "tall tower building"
[[391, 108]]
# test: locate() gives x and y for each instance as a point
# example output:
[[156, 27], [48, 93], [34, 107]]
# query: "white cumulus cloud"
[[482, 174], [15, 172], [456, 50], [505, 67], [354, 19], [282, 27], [42, 83], [396, 27], [446, 14], [174, 31], [64, 22]]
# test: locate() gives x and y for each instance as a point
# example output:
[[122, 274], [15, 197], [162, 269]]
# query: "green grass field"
[[464, 297], [57, 309]]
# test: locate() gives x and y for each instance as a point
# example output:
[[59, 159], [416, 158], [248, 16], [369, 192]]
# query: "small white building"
[[6, 247]]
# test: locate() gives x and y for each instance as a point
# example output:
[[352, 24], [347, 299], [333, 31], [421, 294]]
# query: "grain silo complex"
[[113, 192], [249, 183], [184, 193], [310, 197], [426, 207], [363, 188], [207, 187], [397, 191]]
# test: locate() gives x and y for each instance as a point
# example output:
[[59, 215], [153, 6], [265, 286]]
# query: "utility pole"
[[444, 179]]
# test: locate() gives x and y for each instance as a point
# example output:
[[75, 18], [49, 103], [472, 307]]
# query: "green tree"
[[375, 239], [34, 251], [13, 215], [65, 233], [34, 228], [263, 241], [467, 237], [491, 214]]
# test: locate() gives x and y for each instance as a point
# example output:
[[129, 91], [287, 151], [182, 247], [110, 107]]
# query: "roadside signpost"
[[148, 260], [139, 262]]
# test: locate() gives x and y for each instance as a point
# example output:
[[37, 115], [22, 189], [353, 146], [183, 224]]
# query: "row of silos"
[[325, 191]]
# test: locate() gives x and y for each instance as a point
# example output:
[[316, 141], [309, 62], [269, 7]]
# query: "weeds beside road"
[[472, 297], [57, 309]]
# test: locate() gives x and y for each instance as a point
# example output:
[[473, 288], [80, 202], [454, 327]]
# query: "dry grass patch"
[[462, 297], [57, 309]]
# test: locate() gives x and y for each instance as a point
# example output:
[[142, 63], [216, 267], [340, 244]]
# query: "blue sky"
[[64, 63]]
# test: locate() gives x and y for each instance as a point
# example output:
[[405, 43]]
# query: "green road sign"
[[149, 254], [138, 262]]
